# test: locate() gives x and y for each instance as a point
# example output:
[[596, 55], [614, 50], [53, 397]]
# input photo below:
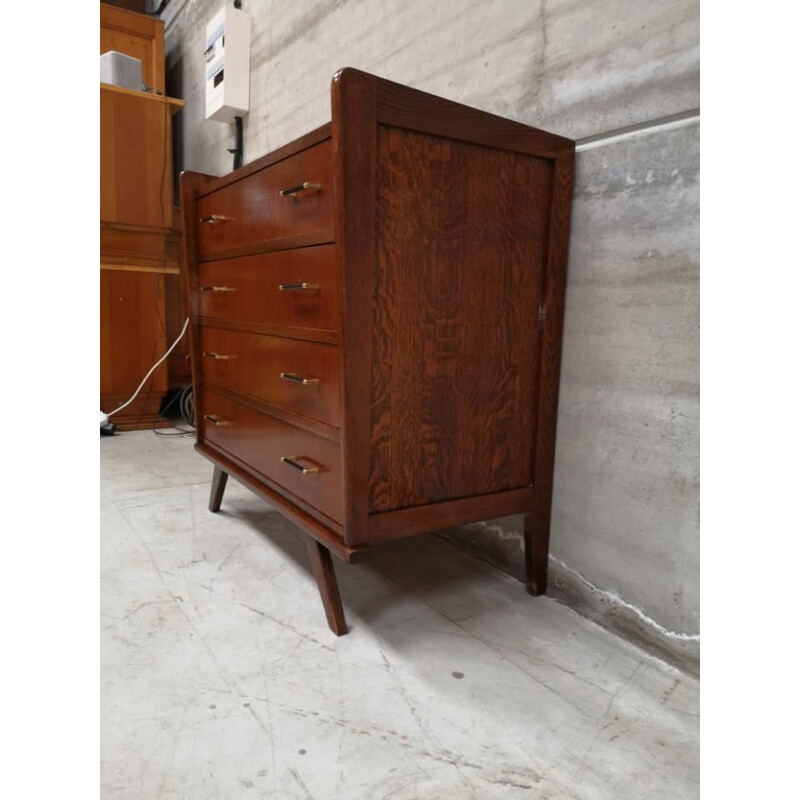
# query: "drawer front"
[[248, 289], [292, 374], [253, 210], [261, 441]]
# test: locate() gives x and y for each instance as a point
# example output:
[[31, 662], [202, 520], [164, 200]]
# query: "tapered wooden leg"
[[322, 566], [217, 489], [537, 546]]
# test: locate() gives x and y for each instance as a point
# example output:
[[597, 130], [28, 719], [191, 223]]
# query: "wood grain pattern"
[[253, 209], [462, 233], [252, 364]]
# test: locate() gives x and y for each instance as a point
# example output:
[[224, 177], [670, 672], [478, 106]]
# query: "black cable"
[[164, 4], [238, 148]]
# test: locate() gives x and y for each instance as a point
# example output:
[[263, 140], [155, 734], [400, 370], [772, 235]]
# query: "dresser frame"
[[360, 103]]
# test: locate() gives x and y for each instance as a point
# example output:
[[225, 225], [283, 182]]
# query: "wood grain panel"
[[462, 235]]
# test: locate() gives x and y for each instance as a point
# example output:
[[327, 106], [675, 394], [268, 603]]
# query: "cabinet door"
[[138, 36], [131, 340], [135, 158]]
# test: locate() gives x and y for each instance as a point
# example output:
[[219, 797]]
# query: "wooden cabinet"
[[136, 35], [141, 309], [376, 314]]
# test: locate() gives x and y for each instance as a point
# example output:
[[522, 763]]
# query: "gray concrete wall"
[[622, 77]]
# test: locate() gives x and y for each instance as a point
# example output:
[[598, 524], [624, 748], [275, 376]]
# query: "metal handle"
[[290, 376], [301, 187], [217, 289], [216, 218], [217, 420], [297, 287], [292, 462], [217, 356]]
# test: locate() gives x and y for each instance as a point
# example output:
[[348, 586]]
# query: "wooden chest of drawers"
[[376, 314]]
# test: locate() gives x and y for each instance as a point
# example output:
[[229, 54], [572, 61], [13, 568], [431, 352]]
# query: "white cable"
[[152, 369]]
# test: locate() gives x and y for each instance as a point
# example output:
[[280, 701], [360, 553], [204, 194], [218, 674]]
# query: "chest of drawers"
[[376, 314]]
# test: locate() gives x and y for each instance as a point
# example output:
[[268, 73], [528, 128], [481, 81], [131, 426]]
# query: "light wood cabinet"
[[139, 243]]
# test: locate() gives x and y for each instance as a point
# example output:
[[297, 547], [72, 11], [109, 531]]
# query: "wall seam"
[[670, 122]]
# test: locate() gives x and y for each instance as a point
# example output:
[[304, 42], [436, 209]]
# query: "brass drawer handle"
[[292, 462], [220, 422], [217, 356], [301, 187], [297, 287], [290, 376], [211, 218], [217, 289]]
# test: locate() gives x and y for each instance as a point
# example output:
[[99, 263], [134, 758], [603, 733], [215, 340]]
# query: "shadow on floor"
[[417, 567]]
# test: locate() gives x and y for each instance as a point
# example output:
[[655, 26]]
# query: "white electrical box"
[[228, 64]]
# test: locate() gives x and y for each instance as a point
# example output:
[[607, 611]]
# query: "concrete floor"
[[220, 678]]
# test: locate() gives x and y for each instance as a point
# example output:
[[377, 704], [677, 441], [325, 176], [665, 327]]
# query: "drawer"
[[261, 441], [253, 364], [248, 289], [254, 210]]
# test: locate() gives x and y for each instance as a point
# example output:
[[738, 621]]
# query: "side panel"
[[452, 256], [462, 235]]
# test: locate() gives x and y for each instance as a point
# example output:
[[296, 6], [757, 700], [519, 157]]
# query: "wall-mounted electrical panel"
[[227, 64]]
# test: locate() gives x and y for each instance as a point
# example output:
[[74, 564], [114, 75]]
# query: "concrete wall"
[[622, 77]]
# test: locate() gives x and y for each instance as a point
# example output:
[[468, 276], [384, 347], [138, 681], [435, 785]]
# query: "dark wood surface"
[[462, 234], [261, 440], [322, 567], [537, 523], [325, 534], [218, 483], [253, 364], [254, 210], [442, 300], [355, 149], [256, 296]]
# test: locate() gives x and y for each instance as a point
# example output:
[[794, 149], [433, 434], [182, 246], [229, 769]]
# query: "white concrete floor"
[[220, 678]]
